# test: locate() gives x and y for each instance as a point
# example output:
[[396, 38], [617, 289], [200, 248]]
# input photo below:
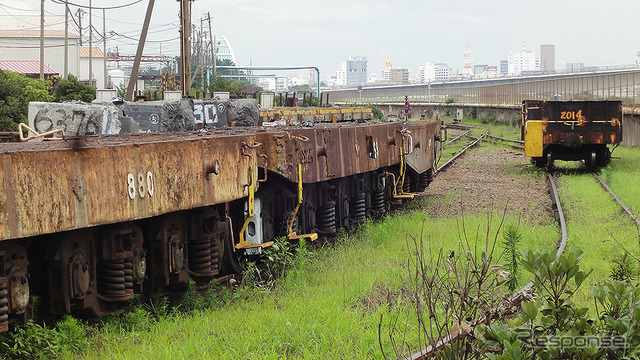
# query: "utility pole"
[[90, 46], [104, 48], [41, 39], [185, 46], [66, 40], [136, 63], [79, 12], [213, 45]]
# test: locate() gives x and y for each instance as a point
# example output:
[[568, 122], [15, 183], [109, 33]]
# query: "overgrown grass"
[[622, 176], [595, 222], [326, 308]]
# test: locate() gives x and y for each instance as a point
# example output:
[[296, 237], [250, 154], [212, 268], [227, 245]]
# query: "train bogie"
[[571, 130], [92, 222]]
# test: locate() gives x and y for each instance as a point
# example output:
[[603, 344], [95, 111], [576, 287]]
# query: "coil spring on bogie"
[[358, 208], [423, 181], [4, 304], [115, 278], [203, 255], [429, 173], [377, 201], [326, 219], [406, 185]]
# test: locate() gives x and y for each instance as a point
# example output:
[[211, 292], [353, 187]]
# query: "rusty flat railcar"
[[571, 130], [88, 222]]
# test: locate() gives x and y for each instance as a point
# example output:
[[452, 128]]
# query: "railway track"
[[428, 352], [520, 295]]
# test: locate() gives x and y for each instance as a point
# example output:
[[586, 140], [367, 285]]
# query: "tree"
[[72, 89], [16, 91]]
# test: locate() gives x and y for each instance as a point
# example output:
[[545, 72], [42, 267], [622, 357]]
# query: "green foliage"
[[377, 113], [449, 100], [511, 239], [552, 327], [16, 91], [72, 89], [30, 341], [35, 341], [233, 86], [72, 335], [121, 90], [623, 268]]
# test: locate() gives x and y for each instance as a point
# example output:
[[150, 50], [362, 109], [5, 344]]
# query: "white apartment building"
[[522, 61], [434, 72]]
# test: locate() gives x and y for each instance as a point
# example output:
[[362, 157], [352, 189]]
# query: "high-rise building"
[[504, 67], [547, 57], [480, 69], [356, 70], [399, 76], [523, 61], [435, 72]]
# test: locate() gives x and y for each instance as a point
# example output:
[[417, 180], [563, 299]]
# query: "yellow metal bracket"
[[400, 180], [243, 243], [292, 234]]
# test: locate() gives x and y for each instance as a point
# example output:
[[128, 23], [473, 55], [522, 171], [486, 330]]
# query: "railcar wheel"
[[592, 164], [539, 162], [549, 163], [604, 156]]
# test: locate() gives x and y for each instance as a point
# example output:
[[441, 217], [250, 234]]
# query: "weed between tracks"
[[325, 306]]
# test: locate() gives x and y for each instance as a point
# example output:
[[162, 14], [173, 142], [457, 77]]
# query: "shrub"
[[72, 89], [16, 91]]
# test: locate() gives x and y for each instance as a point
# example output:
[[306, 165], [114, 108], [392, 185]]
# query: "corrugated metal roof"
[[27, 67], [35, 33], [96, 52]]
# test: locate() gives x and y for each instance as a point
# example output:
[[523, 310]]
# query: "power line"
[[96, 7]]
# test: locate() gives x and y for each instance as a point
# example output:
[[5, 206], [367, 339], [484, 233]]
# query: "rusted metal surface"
[[331, 151], [49, 187], [70, 184], [576, 123]]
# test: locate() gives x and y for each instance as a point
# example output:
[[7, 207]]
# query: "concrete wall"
[[631, 130], [506, 116]]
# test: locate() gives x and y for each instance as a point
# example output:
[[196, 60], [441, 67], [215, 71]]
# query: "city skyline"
[[405, 32]]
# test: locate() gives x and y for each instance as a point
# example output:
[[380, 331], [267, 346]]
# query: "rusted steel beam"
[[51, 187], [330, 151], [48, 187]]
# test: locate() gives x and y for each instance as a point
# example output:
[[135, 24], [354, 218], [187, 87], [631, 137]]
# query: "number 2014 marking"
[[571, 115], [144, 185]]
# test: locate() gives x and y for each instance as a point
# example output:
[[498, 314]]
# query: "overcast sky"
[[325, 33]]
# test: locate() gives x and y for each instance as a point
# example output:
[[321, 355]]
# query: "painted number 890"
[[140, 186]]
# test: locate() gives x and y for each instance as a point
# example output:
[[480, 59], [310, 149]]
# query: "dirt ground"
[[485, 179]]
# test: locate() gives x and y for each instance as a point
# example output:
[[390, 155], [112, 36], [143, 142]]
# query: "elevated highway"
[[501, 98]]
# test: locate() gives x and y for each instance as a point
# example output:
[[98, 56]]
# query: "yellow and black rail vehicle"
[[571, 130], [86, 223]]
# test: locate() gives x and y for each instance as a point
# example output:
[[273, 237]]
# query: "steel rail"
[[515, 146], [505, 139], [450, 161], [617, 199], [456, 138]]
